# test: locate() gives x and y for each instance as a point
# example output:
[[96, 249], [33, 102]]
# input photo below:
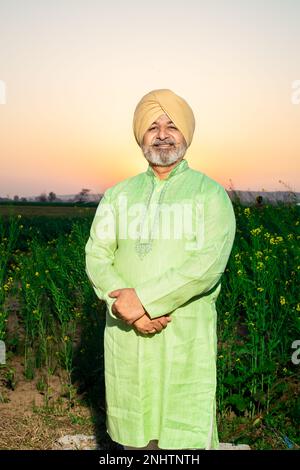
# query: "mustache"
[[163, 142]]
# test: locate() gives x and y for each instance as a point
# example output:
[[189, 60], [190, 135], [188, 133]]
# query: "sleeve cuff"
[[109, 302], [151, 310]]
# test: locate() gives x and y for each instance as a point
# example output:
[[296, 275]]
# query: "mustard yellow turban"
[[159, 102]]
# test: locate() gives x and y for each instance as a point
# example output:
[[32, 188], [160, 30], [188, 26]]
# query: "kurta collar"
[[179, 168]]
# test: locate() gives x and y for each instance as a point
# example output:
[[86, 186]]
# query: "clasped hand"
[[128, 308]]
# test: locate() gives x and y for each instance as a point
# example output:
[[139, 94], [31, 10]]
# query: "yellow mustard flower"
[[255, 231], [276, 240]]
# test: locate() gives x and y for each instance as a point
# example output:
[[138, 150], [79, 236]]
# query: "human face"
[[163, 144]]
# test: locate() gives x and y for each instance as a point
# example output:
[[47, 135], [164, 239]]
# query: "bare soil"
[[33, 419]]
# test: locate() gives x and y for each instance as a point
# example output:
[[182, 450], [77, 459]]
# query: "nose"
[[162, 133]]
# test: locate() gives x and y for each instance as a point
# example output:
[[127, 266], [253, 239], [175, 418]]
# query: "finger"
[[165, 317], [157, 327], [114, 293], [139, 330], [163, 322], [145, 332]]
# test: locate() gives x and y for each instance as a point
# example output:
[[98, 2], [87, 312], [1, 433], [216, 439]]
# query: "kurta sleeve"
[[100, 249], [203, 267]]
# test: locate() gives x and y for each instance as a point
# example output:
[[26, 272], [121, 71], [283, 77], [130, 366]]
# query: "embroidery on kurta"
[[144, 247]]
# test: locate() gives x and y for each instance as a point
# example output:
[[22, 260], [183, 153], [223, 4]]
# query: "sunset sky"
[[75, 69]]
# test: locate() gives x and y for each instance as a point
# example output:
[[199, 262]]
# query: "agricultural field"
[[52, 325]]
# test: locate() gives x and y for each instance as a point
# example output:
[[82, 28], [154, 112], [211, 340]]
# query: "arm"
[[203, 267], [100, 249]]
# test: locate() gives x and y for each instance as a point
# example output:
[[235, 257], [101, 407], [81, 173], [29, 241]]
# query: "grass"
[[49, 316]]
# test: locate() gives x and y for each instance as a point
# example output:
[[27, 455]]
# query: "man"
[[160, 277]]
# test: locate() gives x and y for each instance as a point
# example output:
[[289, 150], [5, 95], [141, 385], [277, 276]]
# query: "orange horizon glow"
[[74, 76]]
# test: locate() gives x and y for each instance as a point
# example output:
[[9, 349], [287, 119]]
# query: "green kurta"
[[163, 386]]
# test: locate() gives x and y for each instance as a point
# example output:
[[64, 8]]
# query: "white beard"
[[163, 156]]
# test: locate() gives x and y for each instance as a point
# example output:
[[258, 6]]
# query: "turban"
[[158, 102]]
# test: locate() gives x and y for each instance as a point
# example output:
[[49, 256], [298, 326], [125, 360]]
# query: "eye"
[[173, 127]]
